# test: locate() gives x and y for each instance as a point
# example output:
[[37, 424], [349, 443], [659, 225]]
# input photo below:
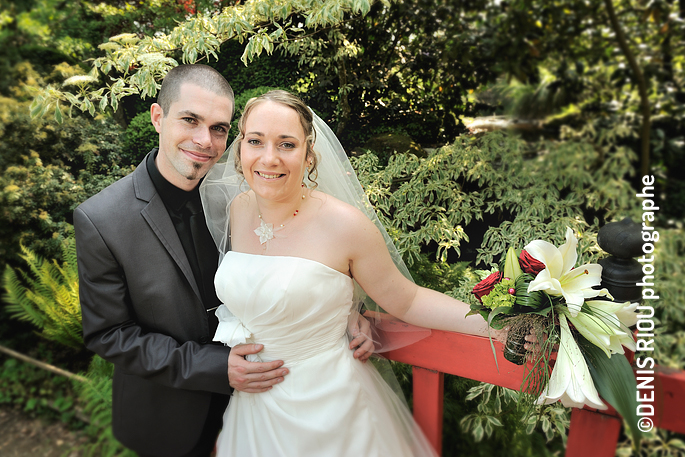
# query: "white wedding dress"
[[330, 404]]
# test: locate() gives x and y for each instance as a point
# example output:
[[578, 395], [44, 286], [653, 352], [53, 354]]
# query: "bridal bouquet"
[[541, 290]]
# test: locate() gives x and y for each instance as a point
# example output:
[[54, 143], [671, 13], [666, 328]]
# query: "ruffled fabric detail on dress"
[[231, 330]]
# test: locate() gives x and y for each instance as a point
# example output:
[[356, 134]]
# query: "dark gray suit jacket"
[[142, 311]]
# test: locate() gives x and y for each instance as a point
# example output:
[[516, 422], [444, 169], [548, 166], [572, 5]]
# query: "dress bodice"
[[295, 307]]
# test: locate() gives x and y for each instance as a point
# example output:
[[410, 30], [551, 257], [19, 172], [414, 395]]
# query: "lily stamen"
[[584, 272]]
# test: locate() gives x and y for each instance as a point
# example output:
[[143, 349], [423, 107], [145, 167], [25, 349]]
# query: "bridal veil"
[[337, 178]]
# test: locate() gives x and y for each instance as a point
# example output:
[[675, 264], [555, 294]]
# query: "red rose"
[[529, 264], [486, 285]]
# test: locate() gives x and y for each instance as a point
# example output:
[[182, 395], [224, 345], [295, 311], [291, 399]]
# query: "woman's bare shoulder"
[[337, 209], [340, 216]]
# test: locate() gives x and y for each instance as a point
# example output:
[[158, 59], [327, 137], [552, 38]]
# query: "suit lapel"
[[156, 215]]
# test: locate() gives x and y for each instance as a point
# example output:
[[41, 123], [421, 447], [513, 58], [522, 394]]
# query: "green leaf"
[[478, 432], [103, 102], [491, 316], [89, 106], [58, 114], [615, 382], [537, 300], [45, 107], [247, 53], [31, 404], [495, 421], [36, 106]]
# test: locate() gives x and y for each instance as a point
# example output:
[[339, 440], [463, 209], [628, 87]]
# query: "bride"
[[303, 244]]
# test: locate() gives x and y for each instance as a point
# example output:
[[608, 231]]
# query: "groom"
[[146, 266]]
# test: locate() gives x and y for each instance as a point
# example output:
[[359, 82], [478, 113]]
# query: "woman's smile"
[[269, 175]]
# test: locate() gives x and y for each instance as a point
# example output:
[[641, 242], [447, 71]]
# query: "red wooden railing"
[[592, 432]]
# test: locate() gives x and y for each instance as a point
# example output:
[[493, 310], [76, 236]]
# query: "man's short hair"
[[200, 75]]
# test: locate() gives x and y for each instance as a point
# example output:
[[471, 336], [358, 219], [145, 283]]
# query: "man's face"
[[192, 136]]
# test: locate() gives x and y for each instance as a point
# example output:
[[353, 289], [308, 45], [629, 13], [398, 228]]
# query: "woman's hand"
[[534, 347]]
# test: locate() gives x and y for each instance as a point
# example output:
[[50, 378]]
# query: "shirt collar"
[[173, 197]]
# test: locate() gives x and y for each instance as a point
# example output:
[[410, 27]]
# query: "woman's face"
[[273, 152]]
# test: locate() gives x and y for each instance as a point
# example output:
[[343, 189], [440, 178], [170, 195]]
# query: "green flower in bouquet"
[[502, 294]]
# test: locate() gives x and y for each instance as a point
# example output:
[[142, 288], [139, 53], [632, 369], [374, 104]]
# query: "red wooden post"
[[429, 388], [592, 434], [670, 399]]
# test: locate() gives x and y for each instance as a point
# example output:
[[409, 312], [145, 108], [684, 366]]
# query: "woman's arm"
[[374, 270]]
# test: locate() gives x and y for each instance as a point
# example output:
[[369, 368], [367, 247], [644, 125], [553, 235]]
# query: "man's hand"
[[253, 377], [363, 343]]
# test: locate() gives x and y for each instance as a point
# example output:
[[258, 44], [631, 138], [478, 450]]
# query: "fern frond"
[[47, 295], [96, 399], [19, 305]]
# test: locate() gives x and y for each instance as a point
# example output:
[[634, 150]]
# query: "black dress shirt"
[[185, 210]]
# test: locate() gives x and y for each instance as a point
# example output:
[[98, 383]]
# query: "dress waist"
[[295, 352], [232, 332]]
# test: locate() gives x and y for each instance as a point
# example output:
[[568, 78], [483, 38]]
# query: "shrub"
[[36, 201], [139, 138], [521, 191]]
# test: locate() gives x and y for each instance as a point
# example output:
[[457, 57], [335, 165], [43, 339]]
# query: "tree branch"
[[640, 82], [43, 365]]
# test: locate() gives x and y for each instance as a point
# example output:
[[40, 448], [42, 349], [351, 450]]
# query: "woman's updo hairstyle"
[[306, 119]]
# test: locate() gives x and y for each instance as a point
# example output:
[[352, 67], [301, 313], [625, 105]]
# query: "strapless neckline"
[[290, 257]]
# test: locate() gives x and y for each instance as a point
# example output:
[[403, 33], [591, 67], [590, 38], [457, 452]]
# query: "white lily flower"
[[599, 324], [560, 278], [570, 381], [628, 314]]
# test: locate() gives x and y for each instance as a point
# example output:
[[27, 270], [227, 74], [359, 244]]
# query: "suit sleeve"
[[111, 331]]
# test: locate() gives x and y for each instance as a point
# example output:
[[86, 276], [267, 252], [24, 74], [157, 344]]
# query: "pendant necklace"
[[265, 231]]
